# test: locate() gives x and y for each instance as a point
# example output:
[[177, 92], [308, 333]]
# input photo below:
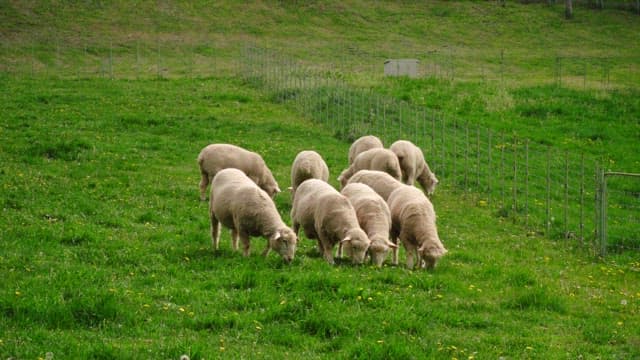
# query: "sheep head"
[[379, 249], [430, 254], [356, 243], [284, 242]]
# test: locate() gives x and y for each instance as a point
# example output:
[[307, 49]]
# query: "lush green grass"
[[105, 249], [464, 40]]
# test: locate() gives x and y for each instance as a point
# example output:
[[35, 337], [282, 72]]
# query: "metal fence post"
[[603, 213]]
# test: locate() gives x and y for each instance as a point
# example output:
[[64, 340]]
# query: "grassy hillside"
[[105, 248], [473, 39]]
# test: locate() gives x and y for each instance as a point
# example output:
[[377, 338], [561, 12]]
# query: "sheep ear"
[[392, 245], [278, 190], [277, 235], [347, 239]]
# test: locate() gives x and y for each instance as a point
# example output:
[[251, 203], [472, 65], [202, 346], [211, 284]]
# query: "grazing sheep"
[[363, 144], [374, 218], [239, 204], [381, 182], [216, 157], [413, 165], [373, 159], [307, 165], [413, 221], [329, 217]]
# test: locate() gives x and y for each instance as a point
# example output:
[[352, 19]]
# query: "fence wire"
[[549, 191]]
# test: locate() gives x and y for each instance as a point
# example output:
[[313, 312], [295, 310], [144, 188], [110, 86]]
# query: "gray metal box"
[[401, 67]]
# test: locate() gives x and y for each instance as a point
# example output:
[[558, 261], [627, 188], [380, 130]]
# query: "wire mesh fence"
[[618, 211], [133, 59], [548, 191], [167, 57]]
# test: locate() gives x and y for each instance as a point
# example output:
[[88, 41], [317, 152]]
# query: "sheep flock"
[[377, 210]]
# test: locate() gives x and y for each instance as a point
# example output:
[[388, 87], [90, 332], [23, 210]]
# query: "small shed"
[[401, 67]]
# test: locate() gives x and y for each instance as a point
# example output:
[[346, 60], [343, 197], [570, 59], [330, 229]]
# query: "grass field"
[[106, 252], [104, 245]]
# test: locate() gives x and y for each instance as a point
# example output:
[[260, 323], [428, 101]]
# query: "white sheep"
[[381, 182], [374, 218], [308, 164], [413, 221], [362, 144], [329, 217], [413, 165], [216, 157], [239, 204], [373, 159]]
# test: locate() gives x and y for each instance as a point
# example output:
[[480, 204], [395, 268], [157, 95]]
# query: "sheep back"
[[239, 204], [362, 144], [374, 218], [216, 157], [328, 216], [373, 159], [308, 164], [413, 221], [381, 182], [413, 165]]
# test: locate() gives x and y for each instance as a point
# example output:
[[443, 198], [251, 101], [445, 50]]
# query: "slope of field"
[[104, 246], [105, 249], [477, 38]]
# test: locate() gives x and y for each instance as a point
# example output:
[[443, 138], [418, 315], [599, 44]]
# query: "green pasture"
[[105, 248]]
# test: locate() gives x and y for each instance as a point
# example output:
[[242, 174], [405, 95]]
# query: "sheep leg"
[[204, 182], [395, 250], [267, 249], [245, 244], [325, 248], [234, 239], [395, 256], [339, 251], [410, 253], [296, 227], [215, 232], [409, 259]]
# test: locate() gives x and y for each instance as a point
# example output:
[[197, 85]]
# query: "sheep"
[[381, 182], [373, 159], [413, 221], [374, 218], [413, 165], [328, 216], [239, 204], [216, 157], [362, 144], [307, 165]]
